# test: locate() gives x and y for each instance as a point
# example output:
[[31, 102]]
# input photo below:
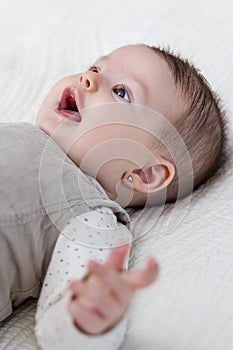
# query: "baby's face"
[[83, 112]]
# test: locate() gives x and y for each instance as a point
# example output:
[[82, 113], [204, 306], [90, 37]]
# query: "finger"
[[76, 284], [87, 320], [101, 300], [117, 257], [105, 303], [142, 278], [115, 260], [111, 281]]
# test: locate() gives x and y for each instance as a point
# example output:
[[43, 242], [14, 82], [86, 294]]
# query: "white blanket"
[[190, 307]]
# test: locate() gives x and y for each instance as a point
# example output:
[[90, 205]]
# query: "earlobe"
[[152, 178]]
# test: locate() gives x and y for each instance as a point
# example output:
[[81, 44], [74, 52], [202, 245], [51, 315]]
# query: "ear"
[[152, 178]]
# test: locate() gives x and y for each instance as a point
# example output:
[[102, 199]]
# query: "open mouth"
[[68, 107]]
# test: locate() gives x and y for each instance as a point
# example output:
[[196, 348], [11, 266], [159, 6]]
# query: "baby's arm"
[[101, 299], [86, 237]]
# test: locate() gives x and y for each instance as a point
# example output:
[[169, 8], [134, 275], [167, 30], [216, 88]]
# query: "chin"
[[43, 126]]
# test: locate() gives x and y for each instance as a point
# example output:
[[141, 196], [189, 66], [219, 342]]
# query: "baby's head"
[[115, 122]]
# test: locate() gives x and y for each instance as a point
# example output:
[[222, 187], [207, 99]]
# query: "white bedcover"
[[191, 305]]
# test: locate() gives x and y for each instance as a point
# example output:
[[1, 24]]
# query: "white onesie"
[[88, 236]]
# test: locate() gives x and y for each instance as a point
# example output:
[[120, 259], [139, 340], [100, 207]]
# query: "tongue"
[[74, 113]]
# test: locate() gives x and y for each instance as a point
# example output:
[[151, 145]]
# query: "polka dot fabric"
[[88, 236]]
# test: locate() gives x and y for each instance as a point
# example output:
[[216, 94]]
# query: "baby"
[[139, 127], [145, 76]]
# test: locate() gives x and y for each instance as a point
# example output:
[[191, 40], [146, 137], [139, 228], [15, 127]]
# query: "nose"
[[88, 81]]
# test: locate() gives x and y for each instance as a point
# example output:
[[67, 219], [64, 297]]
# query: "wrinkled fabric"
[[41, 189]]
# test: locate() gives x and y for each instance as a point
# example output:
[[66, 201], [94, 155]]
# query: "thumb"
[[142, 278]]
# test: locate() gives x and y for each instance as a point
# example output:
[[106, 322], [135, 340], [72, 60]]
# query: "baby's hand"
[[100, 300]]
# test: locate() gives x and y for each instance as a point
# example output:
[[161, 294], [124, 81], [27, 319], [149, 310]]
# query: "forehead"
[[133, 56], [131, 51], [152, 71]]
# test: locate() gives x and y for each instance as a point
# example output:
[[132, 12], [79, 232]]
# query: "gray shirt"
[[41, 189]]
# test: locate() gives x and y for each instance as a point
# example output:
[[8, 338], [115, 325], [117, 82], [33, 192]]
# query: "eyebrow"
[[141, 87]]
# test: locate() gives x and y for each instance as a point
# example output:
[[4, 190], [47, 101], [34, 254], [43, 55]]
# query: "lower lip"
[[66, 115]]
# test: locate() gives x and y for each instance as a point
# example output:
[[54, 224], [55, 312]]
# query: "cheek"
[[89, 141], [109, 174], [45, 116], [92, 149], [54, 95], [83, 149], [49, 103]]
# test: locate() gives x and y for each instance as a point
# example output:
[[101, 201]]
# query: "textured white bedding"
[[191, 305]]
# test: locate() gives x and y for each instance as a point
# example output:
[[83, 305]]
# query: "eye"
[[93, 69], [121, 91]]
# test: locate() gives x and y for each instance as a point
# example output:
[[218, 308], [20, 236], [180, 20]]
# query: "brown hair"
[[201, 125]]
